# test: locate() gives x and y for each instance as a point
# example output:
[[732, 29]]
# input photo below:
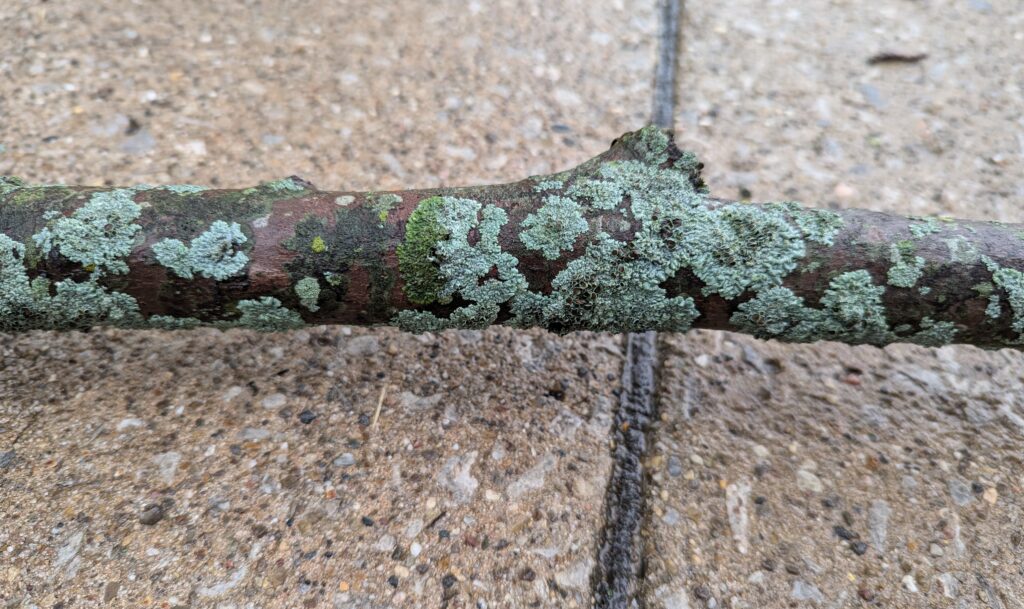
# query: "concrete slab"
[[790, 476], [325, 467], [239, 470]]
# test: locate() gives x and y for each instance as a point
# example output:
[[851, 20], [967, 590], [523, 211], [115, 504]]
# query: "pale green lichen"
[[1012, 283], [906, 268], [923, 229], [934, 333], [29, 304], [308, 291], [267, 315], [602, 195], [851, 312], [98, 235], [554, 227], [9, 184], [818, 225], [652, 144], [211, 254], [994, 309], [284, 185], [548, 185], [382, 204], [168, 322], [185, 189], [962, 251], [739, 247]]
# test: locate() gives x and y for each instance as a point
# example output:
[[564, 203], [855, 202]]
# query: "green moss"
[[99, 235], [211, 254], [906, 268], [267, 315], [308, 291], [554, 227], [420, 275]]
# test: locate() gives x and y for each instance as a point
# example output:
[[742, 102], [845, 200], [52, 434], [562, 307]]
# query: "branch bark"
[[628, 241]]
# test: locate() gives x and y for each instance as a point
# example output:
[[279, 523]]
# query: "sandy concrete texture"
[[830, 476], [233, 469]]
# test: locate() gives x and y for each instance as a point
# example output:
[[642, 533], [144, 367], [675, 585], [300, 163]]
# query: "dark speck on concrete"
[[151, 514], [307, 417], [367, 521]]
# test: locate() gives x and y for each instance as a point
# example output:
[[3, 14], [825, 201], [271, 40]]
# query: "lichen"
[[1012, 283], [285, 185], [739, 247], [308, 291], [851, 312], [267, 315], [548, 185], [98, 235], [961, 250], [168, 322], [9, 184], [211, 254], [923, 229], [906, 268], [554, 227], [29, 304], [934, 333], [382, 204], [601, 195], [318, 246], [818, 225], [185, 189]]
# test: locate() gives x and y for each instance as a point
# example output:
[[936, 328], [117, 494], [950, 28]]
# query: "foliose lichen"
[[1012, 283], [851, 312], [267, 315], [930, 225], [211, 254], [548, 185], [906, 268], [554, 227], [98, 235], [308, 291], [32, 304]]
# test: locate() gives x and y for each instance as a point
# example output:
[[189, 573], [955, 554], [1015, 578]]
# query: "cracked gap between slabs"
[[620, 562]]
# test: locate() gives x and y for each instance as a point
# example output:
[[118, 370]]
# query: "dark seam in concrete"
[[664, 104], [620, 562]]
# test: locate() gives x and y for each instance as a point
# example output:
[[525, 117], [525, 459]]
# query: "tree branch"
[[627, 241]]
